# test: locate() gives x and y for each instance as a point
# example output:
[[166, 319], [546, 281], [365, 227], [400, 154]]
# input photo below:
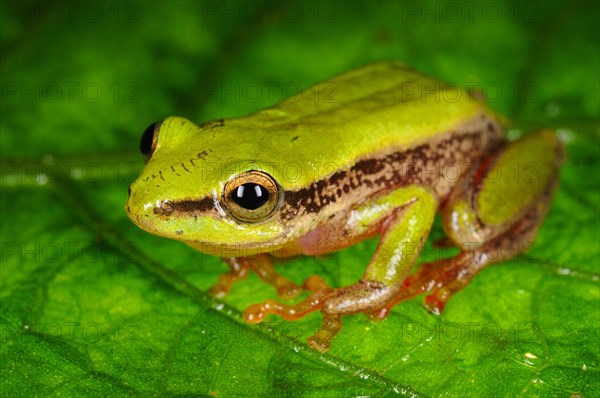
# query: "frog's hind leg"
[[444, 278], [262, 265], [492, 218]]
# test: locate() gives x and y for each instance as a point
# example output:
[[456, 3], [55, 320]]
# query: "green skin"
[[381, 155]]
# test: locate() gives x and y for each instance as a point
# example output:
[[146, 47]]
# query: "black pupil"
[[147, 138], [250, 196]]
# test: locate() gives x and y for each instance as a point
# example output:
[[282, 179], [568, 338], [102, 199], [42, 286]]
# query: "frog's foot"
[[364, 296], [257, 312], [442, 278], [262, 266]]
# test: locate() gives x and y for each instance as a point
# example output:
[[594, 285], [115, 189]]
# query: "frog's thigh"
[[409, 214], [491, 215], [495, 220], [491, 200]]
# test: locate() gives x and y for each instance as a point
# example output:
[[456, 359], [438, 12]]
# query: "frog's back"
[[381, 107]]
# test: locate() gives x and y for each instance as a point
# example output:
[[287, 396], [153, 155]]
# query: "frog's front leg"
[[404, 218], [262, 265]]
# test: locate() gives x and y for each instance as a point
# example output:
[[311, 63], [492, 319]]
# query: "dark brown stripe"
[[188, 206], [423, 164], [185, 207]]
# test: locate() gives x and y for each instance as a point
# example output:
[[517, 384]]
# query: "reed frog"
[[380, 155]]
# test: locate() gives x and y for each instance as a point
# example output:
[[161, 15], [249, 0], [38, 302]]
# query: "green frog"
[[381, 157]]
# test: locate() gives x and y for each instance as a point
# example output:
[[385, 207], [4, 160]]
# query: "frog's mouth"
[[166, 212], [204, 225], [144, 211]]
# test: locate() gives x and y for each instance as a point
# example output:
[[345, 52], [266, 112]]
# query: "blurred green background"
[[93, 306]]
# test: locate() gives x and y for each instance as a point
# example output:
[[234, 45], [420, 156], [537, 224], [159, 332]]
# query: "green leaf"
[[92, 305]]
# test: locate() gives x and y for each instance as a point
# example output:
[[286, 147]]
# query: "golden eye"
[[251, 196]]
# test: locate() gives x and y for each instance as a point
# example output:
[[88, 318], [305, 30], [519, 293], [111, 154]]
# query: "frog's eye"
[[149, 140], [251, 196]]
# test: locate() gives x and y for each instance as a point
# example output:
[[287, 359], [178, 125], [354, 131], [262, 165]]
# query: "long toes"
[[257, 312], [319, 345], [436, 302], [315, 283], [217, 291], [289, 291], [321, 341], [379, 314]]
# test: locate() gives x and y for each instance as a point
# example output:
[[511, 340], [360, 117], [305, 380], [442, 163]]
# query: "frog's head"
[[198, 186]]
